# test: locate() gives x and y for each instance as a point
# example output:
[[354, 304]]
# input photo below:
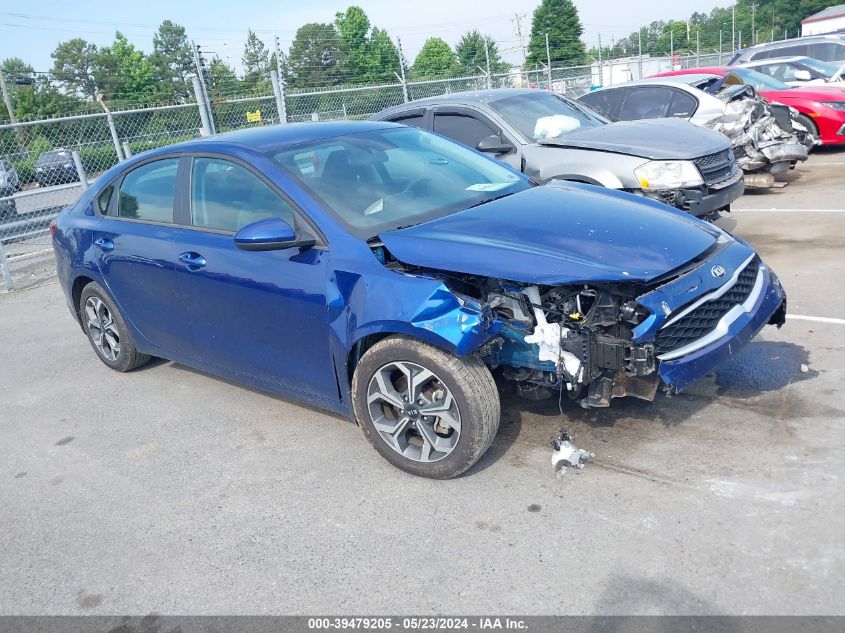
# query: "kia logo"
[[717, 271]]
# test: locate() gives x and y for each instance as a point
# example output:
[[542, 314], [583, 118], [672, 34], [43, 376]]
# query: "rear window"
[[147, 192]]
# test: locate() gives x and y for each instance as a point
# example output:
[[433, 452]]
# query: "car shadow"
[[742, 382]]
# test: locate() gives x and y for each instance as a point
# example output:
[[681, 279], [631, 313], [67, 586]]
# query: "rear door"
[[135, 252], [260, 314]]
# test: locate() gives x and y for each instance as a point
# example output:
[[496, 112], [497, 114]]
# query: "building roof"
[[831, 12]]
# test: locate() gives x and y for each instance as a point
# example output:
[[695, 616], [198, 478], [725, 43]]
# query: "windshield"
[[543, 115], [387, 179], [823, 68], [759, 81]]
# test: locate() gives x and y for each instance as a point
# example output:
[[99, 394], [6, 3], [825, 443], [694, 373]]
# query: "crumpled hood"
[[656, 139], [557, 234]]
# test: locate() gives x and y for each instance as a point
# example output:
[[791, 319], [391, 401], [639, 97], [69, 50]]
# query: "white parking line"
[[773, 210], [801, 317]]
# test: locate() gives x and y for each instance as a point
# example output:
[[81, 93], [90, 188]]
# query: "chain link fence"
[[45, 165]]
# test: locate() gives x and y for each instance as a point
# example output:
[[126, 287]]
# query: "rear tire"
[[107, 331], [400, 380]]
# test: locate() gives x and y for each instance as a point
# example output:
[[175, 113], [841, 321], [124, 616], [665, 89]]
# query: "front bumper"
[[770, 307], [706, 200]]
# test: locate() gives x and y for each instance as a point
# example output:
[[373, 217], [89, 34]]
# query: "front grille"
[[715, 167], [704, 318]]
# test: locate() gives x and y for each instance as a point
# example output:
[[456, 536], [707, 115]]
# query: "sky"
[[31, 30]]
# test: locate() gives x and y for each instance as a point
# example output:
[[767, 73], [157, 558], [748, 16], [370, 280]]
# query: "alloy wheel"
[[102, 329], [413, 411]]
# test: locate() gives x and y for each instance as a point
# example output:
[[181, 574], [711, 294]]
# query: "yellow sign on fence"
[[253, 117]]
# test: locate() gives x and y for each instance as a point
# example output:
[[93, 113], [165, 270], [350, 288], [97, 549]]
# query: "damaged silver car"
[[766, 139]]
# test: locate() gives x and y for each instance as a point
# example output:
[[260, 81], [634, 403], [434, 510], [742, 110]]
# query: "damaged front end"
[[762, 142], [599, 341]]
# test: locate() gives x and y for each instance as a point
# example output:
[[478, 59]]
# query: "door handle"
[[194, 261], [104, 244]]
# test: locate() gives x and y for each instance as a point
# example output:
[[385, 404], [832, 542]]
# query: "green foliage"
[[256, 62], [559, 19], [172, 61], [74, 63], [771, 18], [313, 57], [435, 59], [471, 54], [124, 74]]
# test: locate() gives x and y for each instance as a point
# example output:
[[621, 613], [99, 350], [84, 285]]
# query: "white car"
[[765, 137], [799, 71]]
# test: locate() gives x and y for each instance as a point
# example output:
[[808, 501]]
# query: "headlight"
[[836, 105], [668, 174]]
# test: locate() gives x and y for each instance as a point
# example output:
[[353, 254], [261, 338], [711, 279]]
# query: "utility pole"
[[720, 47], [773, 24], [640, 53], [201, 76], [672, 46], [402, 70], [698, 47], [280, 82], [601, 70], [733, 28], [487, 63], [753, 16], [7, 98], [548, 62], [517, 20]]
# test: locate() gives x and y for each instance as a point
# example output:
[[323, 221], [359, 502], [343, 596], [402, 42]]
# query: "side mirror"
[[803, 75], [272, 234], [494, 144]]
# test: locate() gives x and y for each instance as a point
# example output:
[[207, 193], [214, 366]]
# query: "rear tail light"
[[53, 227]]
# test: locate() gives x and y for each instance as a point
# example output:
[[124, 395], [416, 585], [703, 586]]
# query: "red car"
[[823, 106]]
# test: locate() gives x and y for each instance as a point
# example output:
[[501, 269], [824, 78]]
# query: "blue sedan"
[[387, 273]]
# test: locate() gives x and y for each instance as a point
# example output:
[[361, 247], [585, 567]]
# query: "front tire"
[[426, 411], [107, 331]]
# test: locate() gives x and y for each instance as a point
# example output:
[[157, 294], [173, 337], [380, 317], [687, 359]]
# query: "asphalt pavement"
[[165, 490]]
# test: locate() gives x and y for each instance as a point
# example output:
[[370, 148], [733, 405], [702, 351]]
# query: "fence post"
[[548, 62], [4, 266], [80, 170], [127, 151], [401, 76], [345, 116], [280, 97], [112, 128], [201, 104], [487, 60]]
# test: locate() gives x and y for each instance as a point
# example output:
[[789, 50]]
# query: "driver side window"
[[227, 197], [462, 128]]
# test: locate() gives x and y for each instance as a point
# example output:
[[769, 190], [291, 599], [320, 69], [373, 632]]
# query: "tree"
[[172, 60], [471, 55], [221, 77], [32, 97], [256, 62], [559, 19], [353, 27], [123, 73], [73, 65], [313, 57], [383, 59], [435, 59]]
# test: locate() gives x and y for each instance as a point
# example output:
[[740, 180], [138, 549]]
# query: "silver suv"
[[827, 48]]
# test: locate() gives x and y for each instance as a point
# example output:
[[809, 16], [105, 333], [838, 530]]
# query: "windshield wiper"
[[490, 199]]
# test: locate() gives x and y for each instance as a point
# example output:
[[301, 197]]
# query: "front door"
[[261, 314]]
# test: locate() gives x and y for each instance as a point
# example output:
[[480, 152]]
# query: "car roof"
[[273, 137], [793, 40], [774, 60], [464, 98], [681, 81]]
